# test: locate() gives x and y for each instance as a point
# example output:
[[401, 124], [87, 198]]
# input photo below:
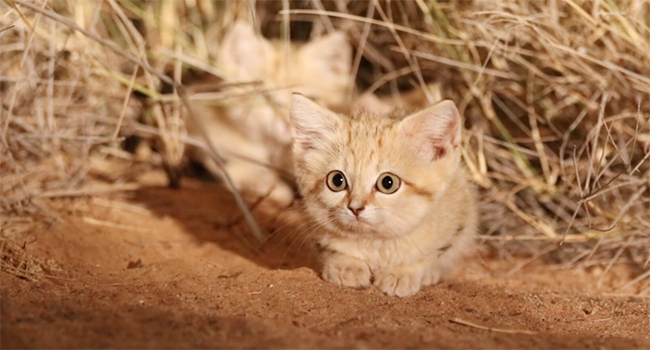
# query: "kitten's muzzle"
[[356, 209]]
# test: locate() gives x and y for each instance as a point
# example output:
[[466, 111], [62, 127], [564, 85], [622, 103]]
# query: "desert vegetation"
[[555, 95]]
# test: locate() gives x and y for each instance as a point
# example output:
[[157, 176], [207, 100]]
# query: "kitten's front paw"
[[401, 282], [346, 271], [431, 277]]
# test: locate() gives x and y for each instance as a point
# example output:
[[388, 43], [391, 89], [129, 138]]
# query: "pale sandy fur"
[[400, 241], [252, 132]]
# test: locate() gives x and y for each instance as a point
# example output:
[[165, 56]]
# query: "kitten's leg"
[[260, 180], [246, 175], [346, 271], [432, 275], [254, 179], [407, 280], [447, 257], [404, 281], [401, 281]]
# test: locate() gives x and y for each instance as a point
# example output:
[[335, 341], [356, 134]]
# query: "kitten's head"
[[319, 69], [368, 175]]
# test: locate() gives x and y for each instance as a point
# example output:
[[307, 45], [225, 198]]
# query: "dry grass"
[[17, 260], [556, 95]]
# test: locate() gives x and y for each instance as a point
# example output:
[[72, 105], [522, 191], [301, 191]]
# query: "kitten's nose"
[[356, 209]]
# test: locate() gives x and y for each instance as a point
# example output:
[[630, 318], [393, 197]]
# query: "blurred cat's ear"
[[331, 54], [310, 123], [434, 131], [243, 54]]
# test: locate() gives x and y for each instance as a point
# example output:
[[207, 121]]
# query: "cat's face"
[[372, 176], [319, 69]]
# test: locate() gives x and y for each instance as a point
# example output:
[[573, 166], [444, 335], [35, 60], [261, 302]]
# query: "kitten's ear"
[[310, 123], [243, 53], [331, 54], [434, 131]]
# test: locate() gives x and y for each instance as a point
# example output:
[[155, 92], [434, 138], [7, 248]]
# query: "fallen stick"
[[500, 330]]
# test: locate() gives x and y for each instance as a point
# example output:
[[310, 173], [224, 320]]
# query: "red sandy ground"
[[167, 269]]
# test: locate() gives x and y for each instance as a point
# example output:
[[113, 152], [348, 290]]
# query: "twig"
[[90, 191], [636, 280], [6, 28], [384, 24], [499, 330], [104, 223]]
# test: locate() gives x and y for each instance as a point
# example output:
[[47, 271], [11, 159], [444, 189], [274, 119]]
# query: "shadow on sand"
[[210, 214]]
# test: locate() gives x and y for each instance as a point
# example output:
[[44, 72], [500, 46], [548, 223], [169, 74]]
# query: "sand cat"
[[252, 131], [387, 195]]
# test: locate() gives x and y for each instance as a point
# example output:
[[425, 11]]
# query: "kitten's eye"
[[388, 183], [336, 181]]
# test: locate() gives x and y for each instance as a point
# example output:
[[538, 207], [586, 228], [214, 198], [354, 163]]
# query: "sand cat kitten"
[[255, 127], [388, 195]]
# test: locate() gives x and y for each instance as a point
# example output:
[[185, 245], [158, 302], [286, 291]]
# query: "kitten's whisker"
[[286, 236], [309, 226], [307, 236]]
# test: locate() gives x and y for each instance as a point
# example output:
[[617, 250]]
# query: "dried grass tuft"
[[58, 104], [16, 259], [556, 97]]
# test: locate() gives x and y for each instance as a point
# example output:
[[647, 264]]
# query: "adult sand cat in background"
[[388, 195], [254, 129]]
